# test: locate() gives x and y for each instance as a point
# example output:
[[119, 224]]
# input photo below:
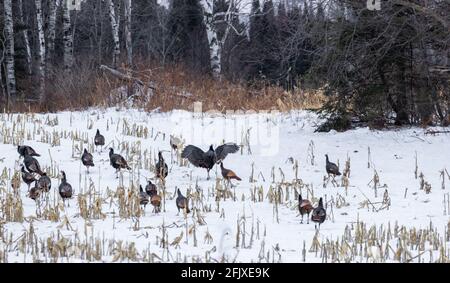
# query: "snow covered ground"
[[256, 220]]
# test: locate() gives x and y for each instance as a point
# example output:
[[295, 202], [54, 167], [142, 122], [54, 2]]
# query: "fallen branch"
[[434, 132], [123, 76]]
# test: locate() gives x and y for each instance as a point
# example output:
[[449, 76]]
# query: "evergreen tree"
[[188, 31]]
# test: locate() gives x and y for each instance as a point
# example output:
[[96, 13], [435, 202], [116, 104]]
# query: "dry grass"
[[175, 88], [174, 83]]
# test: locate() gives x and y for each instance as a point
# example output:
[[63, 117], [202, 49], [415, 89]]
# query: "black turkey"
[[87, 159], [331, 168], [182, 202], [143, 197], [99, 140], [44, 183], [27, 177], [319, 214], [206, 160], [26, 150], [32, 165], [150, 189], [117, 161], [161, 167], [65, 189]]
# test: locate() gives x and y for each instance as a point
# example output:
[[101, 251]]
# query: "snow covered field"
[[381, 212]]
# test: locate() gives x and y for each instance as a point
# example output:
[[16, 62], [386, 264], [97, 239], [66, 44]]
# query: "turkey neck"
[[63, 180]]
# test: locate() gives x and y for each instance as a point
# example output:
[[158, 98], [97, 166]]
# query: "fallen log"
[[124, 77]]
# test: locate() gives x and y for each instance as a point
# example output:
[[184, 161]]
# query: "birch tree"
[[9, 56], [25, 37], [216, 43], [41, 48], [53, 4], [214, 48], [67, 37], [2, 57], [115, 31], [128, 43]]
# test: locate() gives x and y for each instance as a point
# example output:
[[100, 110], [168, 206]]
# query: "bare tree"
[[25, 37], [115, 31], [41, 49], [67, 38], [53, 6], [2, 57], [128, 43], [214, 48], [213, 18], [9, 36]]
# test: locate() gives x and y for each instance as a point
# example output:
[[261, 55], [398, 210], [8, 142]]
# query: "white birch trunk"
[[67, 37], [214, 46], [51, 28], [41, 48], [9, 54], [25, 38], [128, 43], [115, 32]]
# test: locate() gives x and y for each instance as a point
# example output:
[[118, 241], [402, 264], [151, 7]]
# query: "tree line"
[[376, 66]]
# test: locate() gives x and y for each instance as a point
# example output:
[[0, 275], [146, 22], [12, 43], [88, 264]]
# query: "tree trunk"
[[3, 96], [214, 46], [25, 38], [9, 56], [67, 38], [400, 89], [115, 32], [53, 4], [41, 49], [128, 42]]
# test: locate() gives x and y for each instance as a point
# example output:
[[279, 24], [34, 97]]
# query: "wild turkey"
[[117, 161], [331, 168], [150, 189], [305, 207], [175, 142], [206, 160], [161, 167], [182, 202], [27, 177], [32, 164], [44, 183], [26, 150], [34, 192], [155, 200], [87, 159], [228, 174], [65, 189], [319, 214], [99, 140], [143, 197]]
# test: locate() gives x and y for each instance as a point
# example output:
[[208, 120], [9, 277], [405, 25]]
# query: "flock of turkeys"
[[196, 156]]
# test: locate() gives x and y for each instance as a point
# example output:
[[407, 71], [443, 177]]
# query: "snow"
[[275, 139]]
